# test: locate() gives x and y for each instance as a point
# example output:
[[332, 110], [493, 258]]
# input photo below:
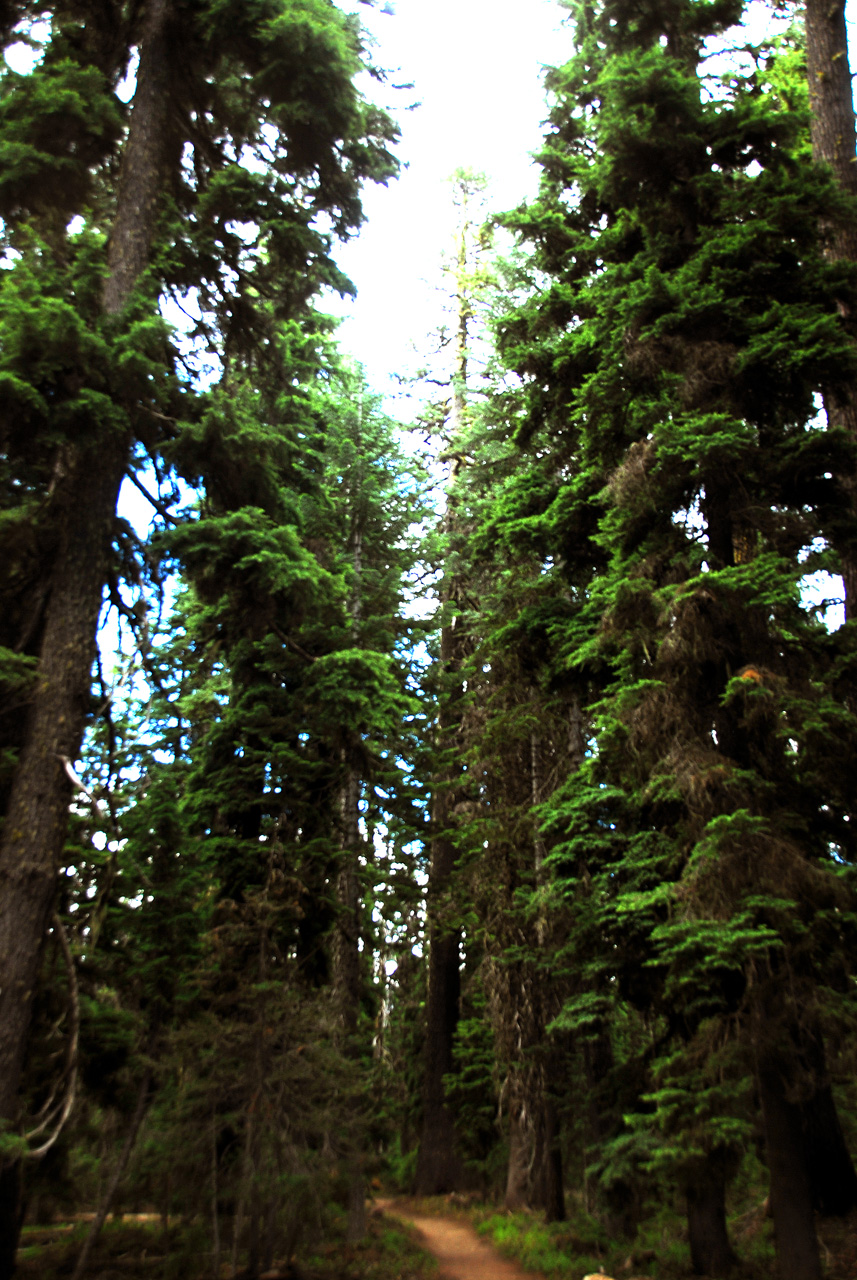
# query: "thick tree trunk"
[[833, 143], [520, 1162], [84, 502], [346, 941], [832, 1177], [710, 1251], [439, 1167], [791, 1196], [36, 821], [346, 949], [832, 125], [549, 1193]]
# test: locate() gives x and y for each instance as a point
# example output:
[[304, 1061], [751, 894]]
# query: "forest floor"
[[461, 1254], [454, 1233]]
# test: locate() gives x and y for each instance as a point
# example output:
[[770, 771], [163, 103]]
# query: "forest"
[[461, 809]]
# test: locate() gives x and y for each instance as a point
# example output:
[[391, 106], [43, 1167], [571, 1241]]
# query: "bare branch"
[[156, 503], [57, 1114]]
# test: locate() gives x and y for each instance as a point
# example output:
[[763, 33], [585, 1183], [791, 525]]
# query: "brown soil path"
[[459, 1250]]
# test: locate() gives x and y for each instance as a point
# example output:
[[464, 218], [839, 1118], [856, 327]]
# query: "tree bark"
[[711, 1253], [832, 1177], [832, 130], [439, 1167], [549, 1193], [346, 948], [346, 942], [519, 1163], [791, 1197], [84, 506]]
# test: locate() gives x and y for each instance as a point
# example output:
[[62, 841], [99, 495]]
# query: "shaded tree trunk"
[[346, 943], [84, 506], [829, 1165], [520, 1162], [346, 948], [548, 1189], [439, 1167], [711, 1253], [833, 143], [791, 1196]]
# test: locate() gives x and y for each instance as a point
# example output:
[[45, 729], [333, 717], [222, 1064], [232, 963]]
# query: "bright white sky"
[[477, 68]]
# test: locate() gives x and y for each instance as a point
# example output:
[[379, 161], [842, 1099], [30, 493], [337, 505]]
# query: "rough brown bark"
[[143, 170], [548, 1191], [832, 125], [84, 507], [346, 942], [346, 975], [833, 143], [711, 1253], [518, 1167], [439, 1167], [36, 820], [832, 1177], [791, 1197]]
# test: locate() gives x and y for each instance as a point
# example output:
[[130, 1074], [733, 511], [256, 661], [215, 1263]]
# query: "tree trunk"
[[346, 942], [549, 1194], [832, 126], [833, 143], [833, 1180], [346, 948], [710, 1251], [439, 1167], [791, 1198], [84, 503], [520, 1162]]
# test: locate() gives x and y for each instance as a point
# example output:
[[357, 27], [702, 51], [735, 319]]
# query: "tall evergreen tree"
[[439, 1165], [664, 355], [241, 114]]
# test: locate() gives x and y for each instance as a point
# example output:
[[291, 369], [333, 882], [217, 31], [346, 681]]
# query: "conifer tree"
[[664, 355], [439, 1167], [88, 365]]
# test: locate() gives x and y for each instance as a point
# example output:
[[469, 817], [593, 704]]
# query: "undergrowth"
[[583, 1246], [387, 1252]]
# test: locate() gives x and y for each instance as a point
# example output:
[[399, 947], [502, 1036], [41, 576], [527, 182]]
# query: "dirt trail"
[[459, 1250]]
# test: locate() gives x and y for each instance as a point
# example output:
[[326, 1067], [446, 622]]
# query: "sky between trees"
[[476, 67]]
